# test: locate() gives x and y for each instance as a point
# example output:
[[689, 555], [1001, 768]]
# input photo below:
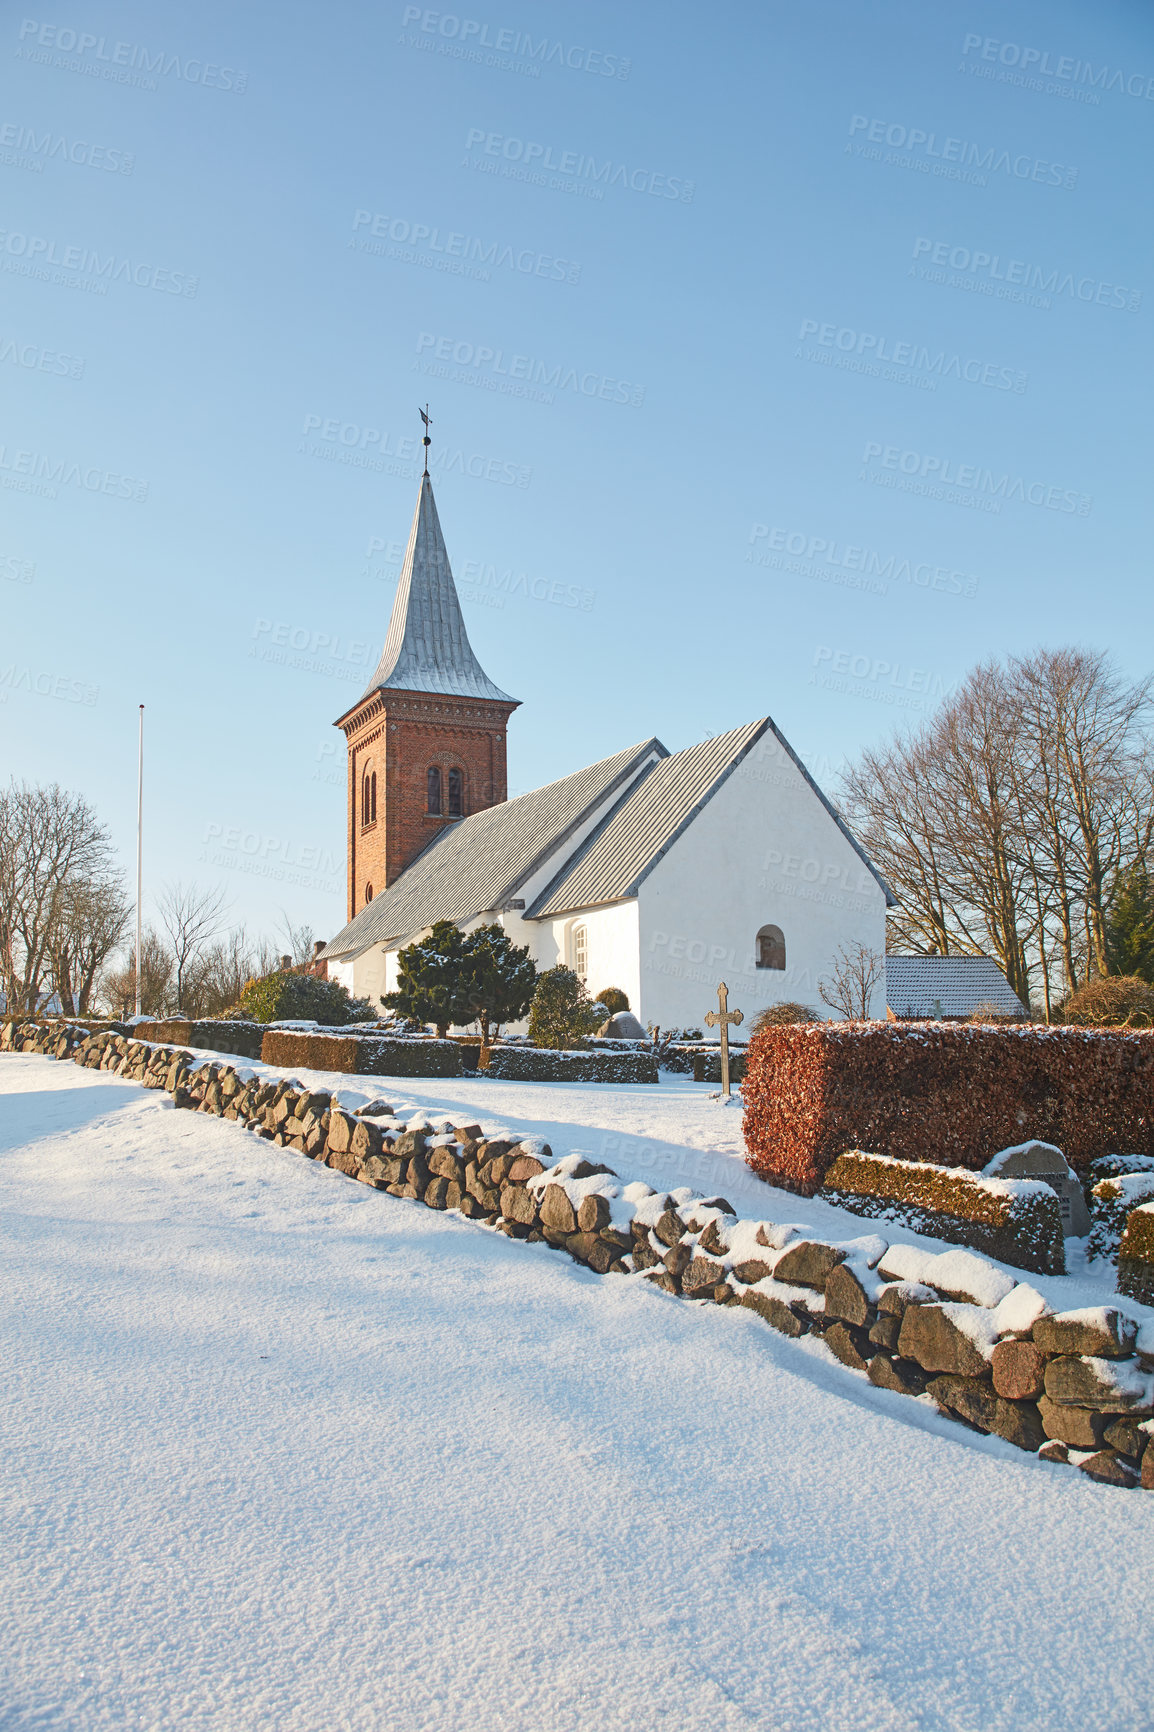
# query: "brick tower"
[[426, 740]]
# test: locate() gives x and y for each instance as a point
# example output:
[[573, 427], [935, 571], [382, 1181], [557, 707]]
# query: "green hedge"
[[542, 1064], [1017, 1222], [1136, 1256]]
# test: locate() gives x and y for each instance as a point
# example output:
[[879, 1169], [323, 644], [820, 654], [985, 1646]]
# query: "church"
[[660, 873]]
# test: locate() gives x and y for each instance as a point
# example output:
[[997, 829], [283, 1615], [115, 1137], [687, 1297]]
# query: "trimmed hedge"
[[543, 1064], [1136, 1256], [362, 1055], [952, 1094], [242, 1038], [1019, 1221]]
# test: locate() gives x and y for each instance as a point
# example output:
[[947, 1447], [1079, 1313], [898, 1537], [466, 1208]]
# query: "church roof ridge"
[[427, 648]]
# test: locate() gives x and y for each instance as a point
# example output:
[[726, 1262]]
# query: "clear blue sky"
[[785, 283]]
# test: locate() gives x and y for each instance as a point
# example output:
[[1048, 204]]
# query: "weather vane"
[[426, 441]]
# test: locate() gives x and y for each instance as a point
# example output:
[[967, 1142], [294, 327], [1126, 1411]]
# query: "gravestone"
[[623, 1026], [1047, 1162]]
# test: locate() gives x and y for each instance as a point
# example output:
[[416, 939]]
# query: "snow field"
[[283, 1452]]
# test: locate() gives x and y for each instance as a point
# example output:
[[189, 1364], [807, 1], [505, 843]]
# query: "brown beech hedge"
[[951, 1095]]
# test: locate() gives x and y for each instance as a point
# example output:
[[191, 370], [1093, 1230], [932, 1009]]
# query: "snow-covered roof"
[[480, 863], [651, 815], [427, 648], [946, 986]]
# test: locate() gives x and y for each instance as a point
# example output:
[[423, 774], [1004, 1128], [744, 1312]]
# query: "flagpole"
[[139, 847]]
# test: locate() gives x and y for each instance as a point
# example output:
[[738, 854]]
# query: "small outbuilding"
[[948, 989]]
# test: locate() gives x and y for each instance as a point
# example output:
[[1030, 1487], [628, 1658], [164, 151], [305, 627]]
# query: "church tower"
[[426, 740]]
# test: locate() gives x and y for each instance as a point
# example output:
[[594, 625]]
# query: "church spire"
[[427, 648]]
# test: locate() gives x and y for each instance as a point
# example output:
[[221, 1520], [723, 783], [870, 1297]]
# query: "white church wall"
[[611, 947], [762, 851]]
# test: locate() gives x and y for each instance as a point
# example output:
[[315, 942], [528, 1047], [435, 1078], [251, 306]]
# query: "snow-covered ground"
[[283, 1452]]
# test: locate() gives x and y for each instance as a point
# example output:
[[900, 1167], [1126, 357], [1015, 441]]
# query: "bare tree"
[[220, 974], [93, 920], [118, 986], [50, 842], [851, 986], [299, 939], [191, 917], [1007, 822]]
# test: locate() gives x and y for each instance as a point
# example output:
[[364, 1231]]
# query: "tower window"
[[369, 797], [771, 947], [434, 794], [456, 794], [368, 892], [581, 952], [373, 798]]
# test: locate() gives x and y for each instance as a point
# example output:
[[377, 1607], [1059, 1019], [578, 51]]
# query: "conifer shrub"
[[1111, 1203], [1111, 1001], [614, 1000], [562, 1014], [282, 997]]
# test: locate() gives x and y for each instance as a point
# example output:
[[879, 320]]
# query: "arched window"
[[456, 794], [373, 798], [771, 947], [434, 786], [581, 952], [365, 800], [368, 892]]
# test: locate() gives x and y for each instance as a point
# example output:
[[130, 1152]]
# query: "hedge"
[[543, 1064], [243, 1038], [1111, 1203], [1019, 1221], [1136, 1256], [362, 1055], [952, 1095]]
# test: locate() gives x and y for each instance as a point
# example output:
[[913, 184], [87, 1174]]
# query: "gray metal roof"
[[645, 823], [427, 648], [478, 864], [946, 986]]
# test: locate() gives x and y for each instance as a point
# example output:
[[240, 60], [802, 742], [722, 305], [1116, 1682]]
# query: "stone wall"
[[1076, 1387]]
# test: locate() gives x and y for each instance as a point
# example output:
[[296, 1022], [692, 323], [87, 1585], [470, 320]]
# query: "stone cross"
[[721, 1018]]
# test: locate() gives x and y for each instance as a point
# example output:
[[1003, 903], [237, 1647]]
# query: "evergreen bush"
[[562, 1013], [301, 997], [614, 1000]]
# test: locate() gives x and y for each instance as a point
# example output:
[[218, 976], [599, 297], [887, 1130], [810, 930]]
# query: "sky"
[[782, 360]]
